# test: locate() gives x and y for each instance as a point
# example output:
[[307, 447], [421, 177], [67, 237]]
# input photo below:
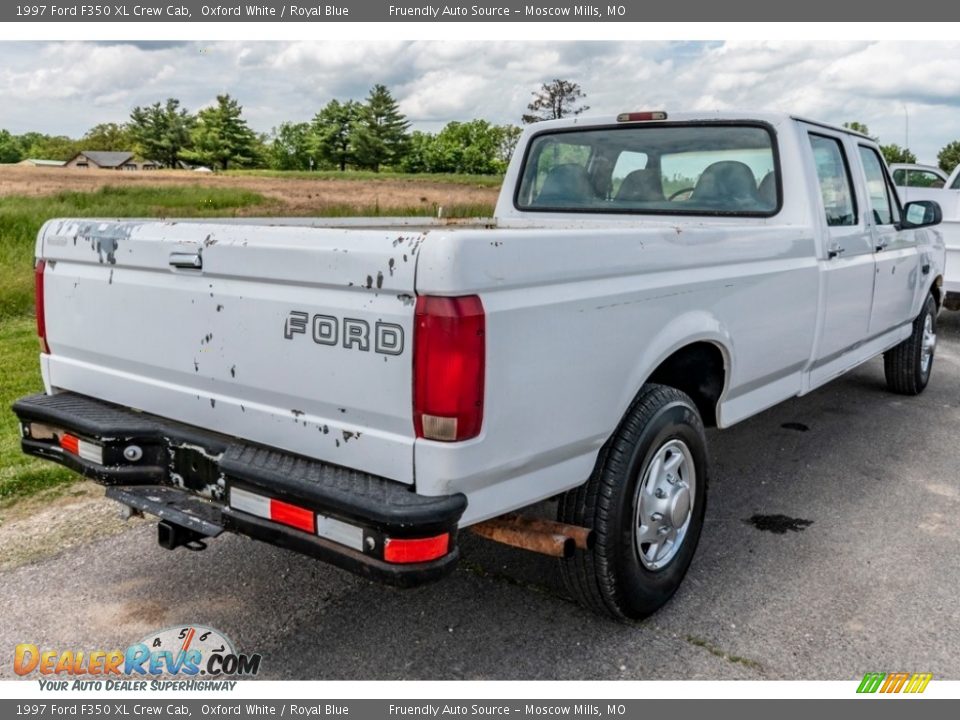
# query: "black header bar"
[[481, 11]]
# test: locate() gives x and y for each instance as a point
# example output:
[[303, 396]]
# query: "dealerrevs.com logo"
[[204, 657]]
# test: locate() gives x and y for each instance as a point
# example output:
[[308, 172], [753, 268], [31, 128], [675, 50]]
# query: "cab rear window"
[[678, 169]]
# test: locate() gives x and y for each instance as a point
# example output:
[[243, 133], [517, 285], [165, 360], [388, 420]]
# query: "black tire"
[[610, 578], [903, 365]]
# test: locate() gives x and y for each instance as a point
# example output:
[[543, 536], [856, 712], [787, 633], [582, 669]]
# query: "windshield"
[[697, 169]]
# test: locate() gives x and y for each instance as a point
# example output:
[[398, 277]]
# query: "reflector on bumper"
[[271, 509], [340, 532], [89, 451], [399, 551], [415, 550]]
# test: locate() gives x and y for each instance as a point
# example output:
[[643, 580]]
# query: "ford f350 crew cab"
[[362, 390]]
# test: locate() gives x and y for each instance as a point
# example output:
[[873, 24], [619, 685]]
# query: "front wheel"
[[645, 502], [907, 366]]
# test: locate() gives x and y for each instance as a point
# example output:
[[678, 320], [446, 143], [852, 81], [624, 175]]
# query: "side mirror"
[[921, 213]]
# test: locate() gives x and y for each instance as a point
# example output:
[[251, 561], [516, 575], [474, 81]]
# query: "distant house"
[[32, 162], [109, 160]]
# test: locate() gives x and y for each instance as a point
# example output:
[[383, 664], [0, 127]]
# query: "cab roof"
[[773, 118]]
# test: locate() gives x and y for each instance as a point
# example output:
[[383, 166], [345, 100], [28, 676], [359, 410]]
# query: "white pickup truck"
[[362, 390], [948, 197]]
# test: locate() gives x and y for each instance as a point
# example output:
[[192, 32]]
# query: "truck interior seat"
[[768, 190], [642, 185], [566, 184], [727, 182]]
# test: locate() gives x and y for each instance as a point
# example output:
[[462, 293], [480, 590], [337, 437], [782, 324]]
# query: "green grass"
[[21, 218], [448, 178], [21, 475], [476, 210]]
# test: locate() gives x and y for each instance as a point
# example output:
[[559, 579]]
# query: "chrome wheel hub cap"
[[664, 504], [928, 343]]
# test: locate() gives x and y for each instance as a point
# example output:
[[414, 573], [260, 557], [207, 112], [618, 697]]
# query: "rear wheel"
[[907, 366], [645, 502]]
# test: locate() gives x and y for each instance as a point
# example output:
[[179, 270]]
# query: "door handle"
[[835, 252], [192, 261], [880, 246]]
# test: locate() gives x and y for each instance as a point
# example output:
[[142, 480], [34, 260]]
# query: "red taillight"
[[402, 550], [38, 299], [449, 356], [640, 116]]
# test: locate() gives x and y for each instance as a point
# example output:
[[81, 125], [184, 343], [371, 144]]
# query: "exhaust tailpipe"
[[546, 537]]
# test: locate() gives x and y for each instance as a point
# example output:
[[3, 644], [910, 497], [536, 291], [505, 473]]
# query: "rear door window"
[[881, 194], [833, 174]]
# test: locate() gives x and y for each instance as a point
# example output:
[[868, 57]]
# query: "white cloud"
[[68, 87]]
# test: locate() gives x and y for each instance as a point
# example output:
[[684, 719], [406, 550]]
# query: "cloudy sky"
[[66, 87]]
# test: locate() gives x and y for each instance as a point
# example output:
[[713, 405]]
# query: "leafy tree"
[[108, 136], [860, 128], [476, 147], [380, 136], [509, 135], [554, 100], [260, 152], [949, 156], [48, 147], [419, 154], [333, 133], [29, 139], [221, 137], [161, 132], [893, 153], [291, 147], [468, 147], [10, 149]]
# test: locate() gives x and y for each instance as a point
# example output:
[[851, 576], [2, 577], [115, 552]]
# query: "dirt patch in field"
[[51, 522], [297, 195]]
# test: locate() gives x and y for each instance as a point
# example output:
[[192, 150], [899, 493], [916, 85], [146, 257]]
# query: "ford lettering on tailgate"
[[349, 332]]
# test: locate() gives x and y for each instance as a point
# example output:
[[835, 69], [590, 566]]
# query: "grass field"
[[492, 181], [21, 218], [21, 475], [30, 196]]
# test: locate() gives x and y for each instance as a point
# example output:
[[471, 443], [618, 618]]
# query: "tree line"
[[368, 135]]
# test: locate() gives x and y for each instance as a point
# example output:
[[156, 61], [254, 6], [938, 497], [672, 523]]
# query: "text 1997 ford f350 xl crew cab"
[[361, 390]]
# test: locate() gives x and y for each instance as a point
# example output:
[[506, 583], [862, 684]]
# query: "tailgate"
[[294, 337]]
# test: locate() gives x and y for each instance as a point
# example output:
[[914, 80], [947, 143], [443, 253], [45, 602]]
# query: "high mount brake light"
[[640, 116]]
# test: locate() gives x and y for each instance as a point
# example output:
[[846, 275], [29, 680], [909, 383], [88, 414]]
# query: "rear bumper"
[[204, 482]]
